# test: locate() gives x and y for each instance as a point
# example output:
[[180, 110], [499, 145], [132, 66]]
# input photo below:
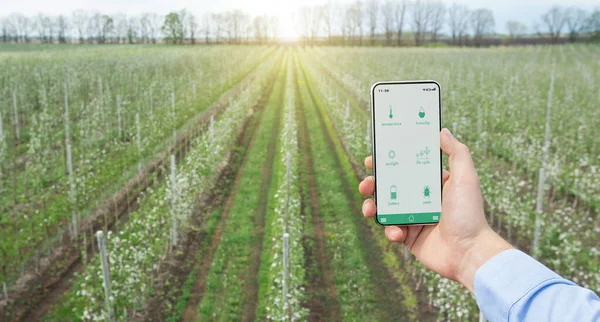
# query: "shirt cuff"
[[504, 279]]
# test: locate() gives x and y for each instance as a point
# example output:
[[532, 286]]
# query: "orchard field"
[[219, 183]]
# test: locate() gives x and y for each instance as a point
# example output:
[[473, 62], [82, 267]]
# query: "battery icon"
[[393, 192]]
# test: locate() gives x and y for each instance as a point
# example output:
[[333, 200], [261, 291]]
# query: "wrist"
[[486, 245]]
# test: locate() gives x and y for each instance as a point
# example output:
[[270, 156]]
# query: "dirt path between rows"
[[320, 289], [197, 292], [251, 286], [387, 289]]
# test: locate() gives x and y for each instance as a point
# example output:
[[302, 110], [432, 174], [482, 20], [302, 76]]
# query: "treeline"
[[420, 22], [358, 23], [233, 27]]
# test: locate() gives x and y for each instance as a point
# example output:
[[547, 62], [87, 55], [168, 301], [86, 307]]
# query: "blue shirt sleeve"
[[513, 286]]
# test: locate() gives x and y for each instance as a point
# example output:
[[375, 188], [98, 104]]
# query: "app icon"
[[423, 156], [393, 192], [426, 193], [392, 154], [421, 112]]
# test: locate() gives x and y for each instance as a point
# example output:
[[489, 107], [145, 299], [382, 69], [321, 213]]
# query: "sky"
[[525, 11]]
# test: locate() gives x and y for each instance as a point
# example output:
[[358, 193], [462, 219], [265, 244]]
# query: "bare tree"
[[575, 20], [399, 14], [21, 25], [373, 17], [153, 24], [206, 27], [192, 27], [62, 28], [45, 28], [458, 17], [515, 29], [79, 20], [554, 20], [219, 24], [355, 14], [387, 12], [328, 13], [120, 27], [482, 23], [310, 20], [438, 16], [420, 15], [257, 24]]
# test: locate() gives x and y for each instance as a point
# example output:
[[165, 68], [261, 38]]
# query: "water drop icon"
[[421, 112]]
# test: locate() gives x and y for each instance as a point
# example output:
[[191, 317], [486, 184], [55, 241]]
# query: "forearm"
[[512, 286]]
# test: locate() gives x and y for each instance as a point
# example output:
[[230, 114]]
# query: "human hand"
[[462, 241]]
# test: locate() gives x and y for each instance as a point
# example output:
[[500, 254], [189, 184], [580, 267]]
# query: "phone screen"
[[406, 152]]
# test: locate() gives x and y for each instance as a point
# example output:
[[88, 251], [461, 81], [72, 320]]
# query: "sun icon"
[[426, 192], [392, 154]]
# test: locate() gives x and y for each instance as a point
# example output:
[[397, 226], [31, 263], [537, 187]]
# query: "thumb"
[[461, 164]]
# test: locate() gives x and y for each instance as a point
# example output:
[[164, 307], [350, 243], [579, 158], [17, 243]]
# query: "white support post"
[[18, 131], [67, 128], [119, 116], [173, 201], [138, 140], [5, 291], [286, 273], [72, 191], [539, 209], [106, 276]]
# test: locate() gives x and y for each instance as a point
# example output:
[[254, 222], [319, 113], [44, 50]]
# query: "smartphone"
[[407, 161]]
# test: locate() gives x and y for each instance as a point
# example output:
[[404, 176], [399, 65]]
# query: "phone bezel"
[[373, 87]]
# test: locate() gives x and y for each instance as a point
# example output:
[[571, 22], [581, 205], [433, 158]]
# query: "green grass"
[[225, 297]]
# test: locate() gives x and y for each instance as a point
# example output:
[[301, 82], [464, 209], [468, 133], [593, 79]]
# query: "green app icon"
[[421, 112], [393, 192]]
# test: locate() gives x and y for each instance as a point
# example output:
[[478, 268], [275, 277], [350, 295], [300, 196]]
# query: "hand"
[[462, 241]]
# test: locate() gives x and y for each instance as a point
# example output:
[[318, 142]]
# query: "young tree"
[[482, 23], [399, 14], [372, 16], [173, 28], [575, 20], [554, 20]]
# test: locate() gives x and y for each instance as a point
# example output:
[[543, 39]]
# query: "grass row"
[[225, 295]]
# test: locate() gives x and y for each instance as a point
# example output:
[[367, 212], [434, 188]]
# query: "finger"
[[369, 209], [395, 233], [411, 235], [369, 162], [367, 186], [445, 176], [461, 164]]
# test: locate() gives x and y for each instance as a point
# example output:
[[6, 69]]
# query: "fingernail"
[[447, 133]]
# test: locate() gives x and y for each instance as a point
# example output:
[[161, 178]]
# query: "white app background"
[[407, 148]]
